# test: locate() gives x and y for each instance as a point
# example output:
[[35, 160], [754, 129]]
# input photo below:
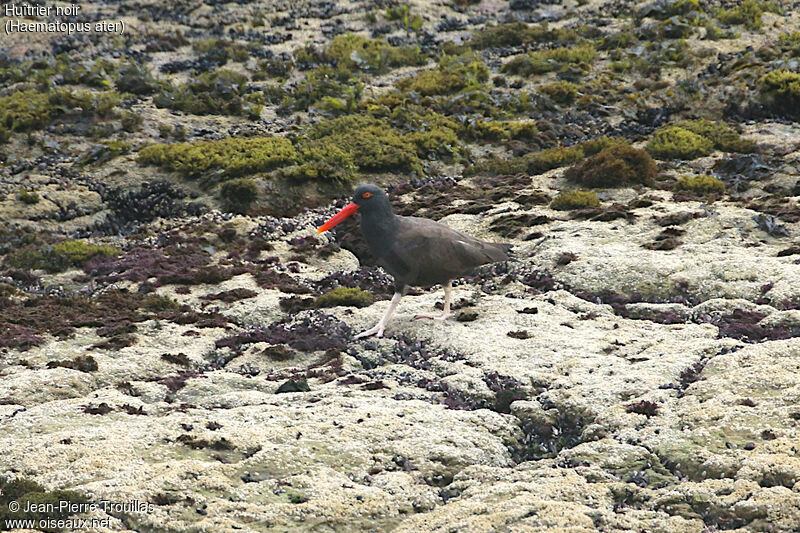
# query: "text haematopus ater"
[[415, 251]]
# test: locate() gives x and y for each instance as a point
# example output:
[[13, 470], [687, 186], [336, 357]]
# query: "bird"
[[414, 251]]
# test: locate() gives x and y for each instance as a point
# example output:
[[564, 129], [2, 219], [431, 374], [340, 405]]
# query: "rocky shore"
[[176, 338]]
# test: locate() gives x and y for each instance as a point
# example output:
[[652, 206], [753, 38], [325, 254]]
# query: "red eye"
[[366, 195]]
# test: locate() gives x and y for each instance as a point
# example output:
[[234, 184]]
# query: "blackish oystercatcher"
[[415, 251]]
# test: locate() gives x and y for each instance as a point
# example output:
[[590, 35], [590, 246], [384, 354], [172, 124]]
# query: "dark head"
[[370, 198], [367, 199]]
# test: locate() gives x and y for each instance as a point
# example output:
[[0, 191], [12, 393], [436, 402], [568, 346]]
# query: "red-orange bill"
[[348, 210]]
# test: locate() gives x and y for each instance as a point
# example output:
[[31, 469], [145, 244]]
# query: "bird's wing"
[[432, 251]]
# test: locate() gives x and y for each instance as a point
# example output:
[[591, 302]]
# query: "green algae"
[[452, 74], [435, 142], [29, 495], [28, 197], [333, 150], [320, 83], [699, 185], [619, 40], [344, 296], [323, 160], [25, 110], [569, 200], [212, 93], [353, 52], [723, 136], [561, 92], [136, 78], [619, 165], [158, 303], [551, 158], [232, 157], [83, 363], [748, 14], [238, 194], [402, 13], [674, 142], [433, 134], [593, 146], [79, 252], [59, 257], [789, 43], [375, 146], [664, 9], [85, 102], [539, 162], [496, 130], [223, 50], [105, 151], [276, 67], [519, 34], [557, 59], [781, 89], [98, 73]]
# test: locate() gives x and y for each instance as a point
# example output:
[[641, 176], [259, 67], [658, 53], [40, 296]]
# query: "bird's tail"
[[499, 251], [508, 248]]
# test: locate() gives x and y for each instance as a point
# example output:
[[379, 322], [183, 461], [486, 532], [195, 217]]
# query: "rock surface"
[[635, 368]]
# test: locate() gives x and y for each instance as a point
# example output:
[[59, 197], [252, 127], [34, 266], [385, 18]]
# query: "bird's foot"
[[443, 316], [377, 331]]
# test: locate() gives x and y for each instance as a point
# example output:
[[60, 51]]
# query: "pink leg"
[[448, 289], [379, 327]]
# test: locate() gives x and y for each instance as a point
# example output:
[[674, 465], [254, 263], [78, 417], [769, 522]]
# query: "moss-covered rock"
[[569, 200], [678, 143], [347, 296], [28, 197], [323, 160], [212, 93], [136, 78], [29, 495], [495, 130], [561, 92], [551, 158], [748, 13], [57, 258], [723, 136], [324, 82], [664, 9], [83, 363], [539, 162], [452, 74], [617, 166], [374, 145], [699, 185], [220, 51], [25, 110], [554, 60], [519, 34], [84, 102], [238, 194], [158, 303], [789, 43], [354, 52], [228, 158], [780, 89], [79, 252]]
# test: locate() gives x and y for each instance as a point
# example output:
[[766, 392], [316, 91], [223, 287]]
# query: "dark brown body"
[[421, 252]]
